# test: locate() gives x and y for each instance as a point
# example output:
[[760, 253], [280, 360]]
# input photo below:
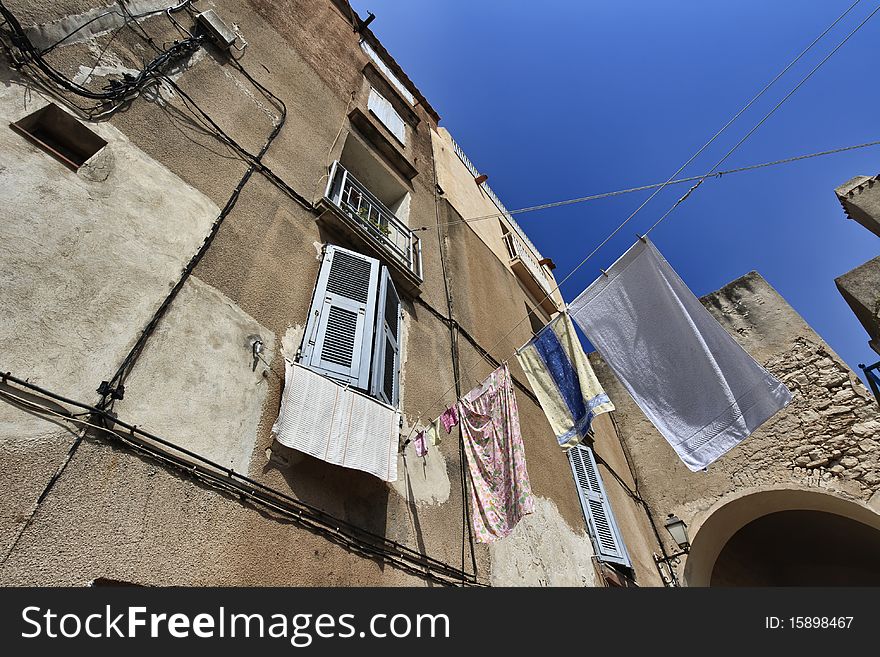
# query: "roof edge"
[[366, 33]]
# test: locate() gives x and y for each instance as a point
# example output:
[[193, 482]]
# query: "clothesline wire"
[[642, 188], [745, 107], [680, 169], [766, 116]]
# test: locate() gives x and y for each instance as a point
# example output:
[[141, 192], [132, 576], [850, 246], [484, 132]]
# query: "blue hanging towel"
[[563, 380]]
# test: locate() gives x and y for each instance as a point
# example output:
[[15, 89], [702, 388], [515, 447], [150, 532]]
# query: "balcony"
[[353, 208], [531, 274], [872, 374]]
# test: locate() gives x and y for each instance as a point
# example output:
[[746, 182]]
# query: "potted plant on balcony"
[[367, 220]]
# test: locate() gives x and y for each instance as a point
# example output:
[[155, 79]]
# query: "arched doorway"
[[786, 537], [797, 548]]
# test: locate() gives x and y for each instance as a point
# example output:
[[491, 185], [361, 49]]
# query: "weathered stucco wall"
[[472, 202], [86, 258], [825, 439], [543, 550], [116, 515], [203, 348], [90, 256], [466, 196]]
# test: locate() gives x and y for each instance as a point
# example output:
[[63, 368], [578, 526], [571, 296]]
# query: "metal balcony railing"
[[516, 248], [872, 374], [492, 196], [356, 201]]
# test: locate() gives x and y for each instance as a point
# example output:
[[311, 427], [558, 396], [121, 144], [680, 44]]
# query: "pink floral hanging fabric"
[[500, 493]]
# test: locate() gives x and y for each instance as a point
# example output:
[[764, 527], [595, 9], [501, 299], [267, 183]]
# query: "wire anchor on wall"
[[106, 390]]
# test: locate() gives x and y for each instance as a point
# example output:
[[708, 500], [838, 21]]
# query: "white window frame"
[[383, 110], [365, 329]]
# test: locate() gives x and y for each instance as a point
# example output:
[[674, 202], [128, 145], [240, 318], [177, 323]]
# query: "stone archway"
[[784, 537]]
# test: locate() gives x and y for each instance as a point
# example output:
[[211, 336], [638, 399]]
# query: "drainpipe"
[[672, 579], [453, 344]]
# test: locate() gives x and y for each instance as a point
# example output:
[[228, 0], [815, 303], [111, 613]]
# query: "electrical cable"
[[745, 107], [104, 51], [223, 136], [117, 90], [464, 472], [153, 72], [128, 363], [340, 531], [691, 159], [677, 181], [112, 419], [418, 567], [128, 16], [765, 117]]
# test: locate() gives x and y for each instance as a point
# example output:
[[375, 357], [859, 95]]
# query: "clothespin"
[[409, 438]]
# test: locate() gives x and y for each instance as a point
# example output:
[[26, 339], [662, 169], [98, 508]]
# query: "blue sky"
[[557, 99]]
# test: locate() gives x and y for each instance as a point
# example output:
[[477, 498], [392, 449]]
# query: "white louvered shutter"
[[386, 353], [339, 333], [386, 113], [597, 511]]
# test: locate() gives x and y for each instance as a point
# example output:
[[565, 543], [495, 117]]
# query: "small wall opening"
[[59, 134]]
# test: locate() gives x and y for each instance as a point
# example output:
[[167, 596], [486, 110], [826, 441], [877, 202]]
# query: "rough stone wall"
[[828, 436], [825, 439], [860, 288], [860, 198]]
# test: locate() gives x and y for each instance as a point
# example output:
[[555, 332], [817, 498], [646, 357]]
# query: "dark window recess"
[[60, 135]]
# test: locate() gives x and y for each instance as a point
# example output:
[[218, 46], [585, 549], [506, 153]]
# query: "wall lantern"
[[678, 530]]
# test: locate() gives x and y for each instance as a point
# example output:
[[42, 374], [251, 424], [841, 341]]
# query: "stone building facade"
[[860, 199], [815, 460], [161, 267]]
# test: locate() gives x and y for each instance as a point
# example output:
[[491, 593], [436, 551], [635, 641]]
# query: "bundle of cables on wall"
[[23, 52]]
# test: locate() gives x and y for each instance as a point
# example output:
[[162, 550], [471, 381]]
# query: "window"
[[59, 134], [353, 330], [382, 66], [597, 511], [385, 112]]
